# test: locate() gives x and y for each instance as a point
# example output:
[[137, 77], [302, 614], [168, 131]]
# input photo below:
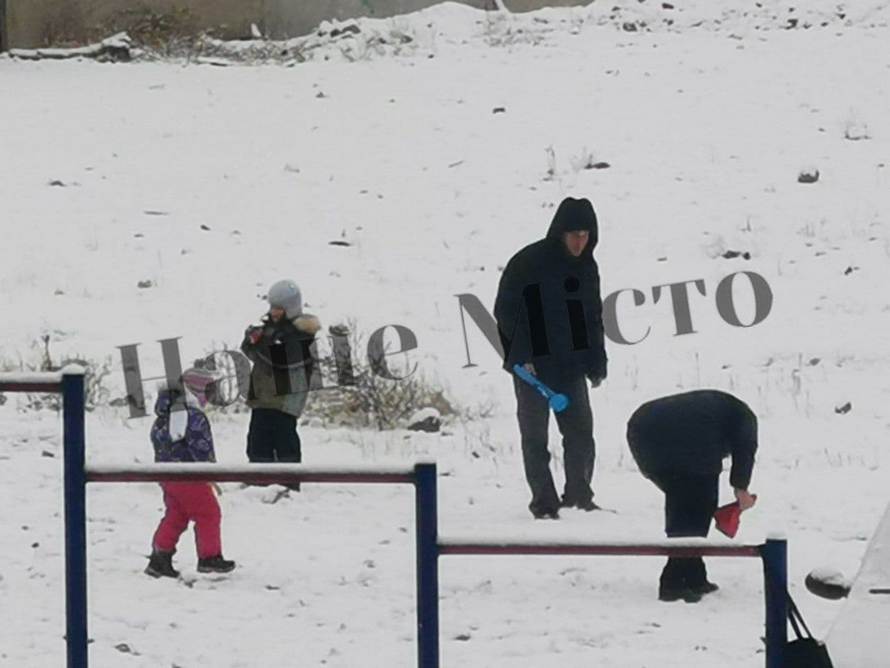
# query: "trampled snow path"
[[705, 133]]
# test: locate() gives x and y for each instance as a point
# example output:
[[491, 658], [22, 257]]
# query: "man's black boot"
[[672, 585], [697, 577]]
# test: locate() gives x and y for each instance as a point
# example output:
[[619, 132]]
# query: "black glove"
[[595, 379], [254, 334]]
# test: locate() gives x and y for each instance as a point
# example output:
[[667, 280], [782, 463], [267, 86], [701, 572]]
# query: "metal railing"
[[773, 554], [429, 546], [68, 382]]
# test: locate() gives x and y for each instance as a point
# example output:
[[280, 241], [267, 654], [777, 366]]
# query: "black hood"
[[573, 215]]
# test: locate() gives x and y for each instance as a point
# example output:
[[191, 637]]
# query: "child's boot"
[[215, 564], [160, 564]]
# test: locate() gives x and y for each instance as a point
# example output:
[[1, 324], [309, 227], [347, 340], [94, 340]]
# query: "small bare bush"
[[95, 391], [371, 400], [165, 32]]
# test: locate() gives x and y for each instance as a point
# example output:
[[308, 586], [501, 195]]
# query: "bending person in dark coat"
[[679, 443], [549, 315]]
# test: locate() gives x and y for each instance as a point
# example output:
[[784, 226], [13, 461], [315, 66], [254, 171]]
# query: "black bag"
[[806, 651]]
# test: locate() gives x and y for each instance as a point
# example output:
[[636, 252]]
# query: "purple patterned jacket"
[[197, 443]]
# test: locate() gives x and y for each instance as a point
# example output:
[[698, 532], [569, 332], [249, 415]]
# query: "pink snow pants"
[[190, 501]]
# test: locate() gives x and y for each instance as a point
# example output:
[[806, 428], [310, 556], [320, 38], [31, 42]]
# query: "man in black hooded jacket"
[[549, 315], [679, 442]]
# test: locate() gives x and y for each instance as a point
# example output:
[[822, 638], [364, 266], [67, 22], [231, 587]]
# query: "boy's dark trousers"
[[272, 437], [575, 425]]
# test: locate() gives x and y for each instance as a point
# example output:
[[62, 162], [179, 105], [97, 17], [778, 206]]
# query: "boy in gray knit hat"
[[279, 382]]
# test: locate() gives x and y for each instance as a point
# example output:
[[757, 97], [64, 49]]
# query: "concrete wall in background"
[[4, 39], [531, 5], [291, 18], [33, 23]]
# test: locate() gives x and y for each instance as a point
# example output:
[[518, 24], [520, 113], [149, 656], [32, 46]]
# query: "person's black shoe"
[[215, 565], [704, 587], [588, 505], [679, 594], [160, 565], [695, 576], [546, 514]]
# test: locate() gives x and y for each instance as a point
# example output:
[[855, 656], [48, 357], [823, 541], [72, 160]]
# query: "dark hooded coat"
[[543, 291], [691, 433]]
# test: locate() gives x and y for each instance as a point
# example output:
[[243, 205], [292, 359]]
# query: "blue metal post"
[[426, 515], [75, 519], [775, 577]]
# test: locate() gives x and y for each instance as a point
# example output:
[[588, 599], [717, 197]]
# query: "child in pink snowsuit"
[[181, 433]]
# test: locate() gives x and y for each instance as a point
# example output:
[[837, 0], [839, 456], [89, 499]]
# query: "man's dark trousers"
[[689, 505], [576, 426]]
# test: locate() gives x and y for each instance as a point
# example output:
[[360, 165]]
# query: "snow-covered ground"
[[706, 124]]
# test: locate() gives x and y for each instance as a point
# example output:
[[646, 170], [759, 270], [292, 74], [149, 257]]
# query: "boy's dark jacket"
[[282, 363]]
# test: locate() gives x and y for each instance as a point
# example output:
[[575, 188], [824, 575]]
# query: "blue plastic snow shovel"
[[558, 402]]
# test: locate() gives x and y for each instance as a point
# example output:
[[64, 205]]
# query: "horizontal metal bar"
[[597, 549], [36, 381], [30, 387], [249, 473], [30, 382]]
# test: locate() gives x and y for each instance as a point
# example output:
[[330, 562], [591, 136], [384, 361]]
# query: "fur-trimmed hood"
[[307, 323]]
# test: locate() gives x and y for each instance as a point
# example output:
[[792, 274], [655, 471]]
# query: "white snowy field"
[[705, 123]]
